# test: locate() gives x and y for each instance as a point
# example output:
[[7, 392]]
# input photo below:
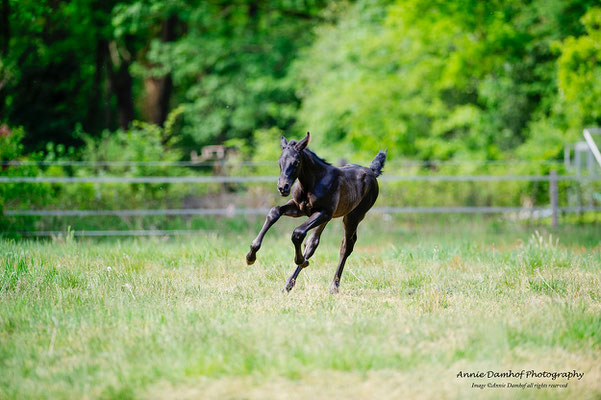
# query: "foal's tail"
[[378, 163]]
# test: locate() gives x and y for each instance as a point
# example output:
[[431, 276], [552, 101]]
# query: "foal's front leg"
[[290, 209]]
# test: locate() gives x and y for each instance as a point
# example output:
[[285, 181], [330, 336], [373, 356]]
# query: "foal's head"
[[290, 162]]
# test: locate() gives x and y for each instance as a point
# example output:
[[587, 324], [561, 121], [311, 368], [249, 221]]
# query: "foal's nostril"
[[284, 189]]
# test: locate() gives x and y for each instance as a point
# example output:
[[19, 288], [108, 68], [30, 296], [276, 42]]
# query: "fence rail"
[[262, 211], [25, 163], [69, 163], [527, 212], [94, 233], [540, 211], [255, 179]]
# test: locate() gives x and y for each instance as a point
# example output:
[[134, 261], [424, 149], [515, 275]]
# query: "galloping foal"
[[322, 192]]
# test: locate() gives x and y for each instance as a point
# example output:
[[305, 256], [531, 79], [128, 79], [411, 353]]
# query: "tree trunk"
[[5, 23], [158, 94], [95, 121], [158, 90], [121, 84]]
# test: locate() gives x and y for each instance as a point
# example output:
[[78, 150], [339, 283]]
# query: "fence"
[[552, 210], [254, 179]]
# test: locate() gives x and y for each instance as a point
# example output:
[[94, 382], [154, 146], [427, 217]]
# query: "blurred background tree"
[[580, 73]]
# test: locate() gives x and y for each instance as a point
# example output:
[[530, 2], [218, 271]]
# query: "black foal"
[[322, 192]]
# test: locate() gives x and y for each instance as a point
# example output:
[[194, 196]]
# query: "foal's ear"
[[283, 142], [300, 146]]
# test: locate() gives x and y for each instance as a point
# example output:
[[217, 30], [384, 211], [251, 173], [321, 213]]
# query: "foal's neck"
[[312, 169]]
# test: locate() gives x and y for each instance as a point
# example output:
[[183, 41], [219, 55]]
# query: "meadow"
[[185, 317]]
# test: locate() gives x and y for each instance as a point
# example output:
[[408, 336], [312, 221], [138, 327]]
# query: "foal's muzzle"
[[284, 189]]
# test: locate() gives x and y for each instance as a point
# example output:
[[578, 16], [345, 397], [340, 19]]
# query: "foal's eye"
[[295, 164]]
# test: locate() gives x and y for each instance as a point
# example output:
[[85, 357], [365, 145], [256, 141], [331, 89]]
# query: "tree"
[[435, 79], [102, 64], [580, 74], [230, 67]]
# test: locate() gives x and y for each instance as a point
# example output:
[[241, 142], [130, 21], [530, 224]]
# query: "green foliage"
[[11, 149], [73, 62], [232, 66], [48, 72], [144, 142], [580, 73], [436, 80], [430, 79]]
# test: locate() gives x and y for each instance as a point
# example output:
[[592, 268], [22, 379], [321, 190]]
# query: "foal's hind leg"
[[313, 241], [351, 221], [298, 235], [310, 247], [348, 243], [315, 220]]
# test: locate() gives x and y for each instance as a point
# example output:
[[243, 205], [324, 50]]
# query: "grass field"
[[186, 318]]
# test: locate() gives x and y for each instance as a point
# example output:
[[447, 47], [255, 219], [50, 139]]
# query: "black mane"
[[316, 157]]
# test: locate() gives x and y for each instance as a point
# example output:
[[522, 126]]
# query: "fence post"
[[553, 196]]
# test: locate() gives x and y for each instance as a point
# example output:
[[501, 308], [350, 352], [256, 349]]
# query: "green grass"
[[186, 318]]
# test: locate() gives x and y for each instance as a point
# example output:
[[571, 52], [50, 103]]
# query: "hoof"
[[289, 285], [250, 258], [334, 288]]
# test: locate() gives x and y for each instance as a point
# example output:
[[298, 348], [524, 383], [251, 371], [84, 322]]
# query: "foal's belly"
[[347, 201], [349, 197]]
